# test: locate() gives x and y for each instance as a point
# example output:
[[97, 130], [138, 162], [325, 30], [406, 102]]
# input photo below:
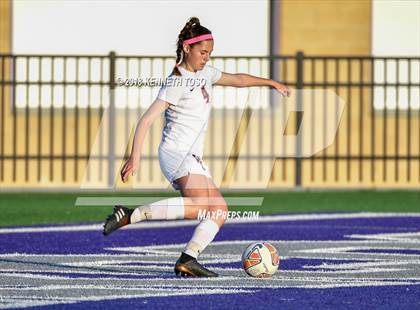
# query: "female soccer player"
[[186, 100]]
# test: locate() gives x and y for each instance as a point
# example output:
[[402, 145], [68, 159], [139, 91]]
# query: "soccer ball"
[[260, 260]]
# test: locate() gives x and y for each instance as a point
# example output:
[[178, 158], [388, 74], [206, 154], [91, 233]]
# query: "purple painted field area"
[[89, 242], [322, 266]]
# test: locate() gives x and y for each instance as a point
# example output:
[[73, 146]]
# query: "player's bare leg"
[[168, 209], [199, 194], [198, 189], [196, 199]]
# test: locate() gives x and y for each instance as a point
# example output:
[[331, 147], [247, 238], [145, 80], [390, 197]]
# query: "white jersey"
[[187, 117]]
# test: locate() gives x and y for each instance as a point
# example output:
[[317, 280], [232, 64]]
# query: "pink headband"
[[199, 39]]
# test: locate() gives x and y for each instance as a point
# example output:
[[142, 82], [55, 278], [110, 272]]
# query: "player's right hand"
[[130, 166]]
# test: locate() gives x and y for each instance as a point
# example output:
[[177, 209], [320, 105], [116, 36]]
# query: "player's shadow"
[[150, 273]]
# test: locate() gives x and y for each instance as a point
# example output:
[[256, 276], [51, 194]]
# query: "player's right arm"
[[143, 125]]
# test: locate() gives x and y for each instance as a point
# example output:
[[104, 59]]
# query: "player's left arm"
[[246, 80]]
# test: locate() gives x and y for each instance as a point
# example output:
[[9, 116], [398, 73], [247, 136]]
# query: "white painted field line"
[[166, 224]]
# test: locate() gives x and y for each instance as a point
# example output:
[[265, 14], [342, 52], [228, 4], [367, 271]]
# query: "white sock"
[[167, 209], [204, 233]]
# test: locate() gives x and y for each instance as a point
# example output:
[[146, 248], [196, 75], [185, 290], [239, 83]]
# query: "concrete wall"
[[325, 27], [5, 26]]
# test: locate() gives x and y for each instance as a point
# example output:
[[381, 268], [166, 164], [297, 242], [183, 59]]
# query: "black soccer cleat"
[[119, 218], [192, 268]]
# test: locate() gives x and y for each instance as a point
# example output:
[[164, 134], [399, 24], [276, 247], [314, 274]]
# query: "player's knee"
[[220, 208]]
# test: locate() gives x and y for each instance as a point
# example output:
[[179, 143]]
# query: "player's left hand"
[[130, 167]]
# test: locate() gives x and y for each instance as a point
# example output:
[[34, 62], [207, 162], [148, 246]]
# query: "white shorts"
[[175, 165]]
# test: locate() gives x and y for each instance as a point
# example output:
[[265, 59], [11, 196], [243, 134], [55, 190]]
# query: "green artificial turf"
[[57, 208]]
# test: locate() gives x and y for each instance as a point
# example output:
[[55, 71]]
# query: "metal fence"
[[53, 105]]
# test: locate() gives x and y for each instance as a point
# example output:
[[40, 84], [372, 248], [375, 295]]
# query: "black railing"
[[47, 99]]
